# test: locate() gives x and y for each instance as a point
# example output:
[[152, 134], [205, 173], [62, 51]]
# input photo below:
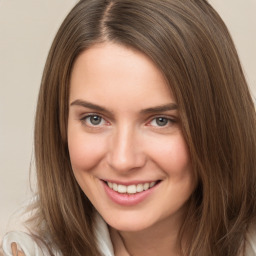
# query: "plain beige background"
[[27, 28]]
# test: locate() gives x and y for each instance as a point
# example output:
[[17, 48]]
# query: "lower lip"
[[128, 199]]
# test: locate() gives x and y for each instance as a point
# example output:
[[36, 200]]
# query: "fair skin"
[[15, 251], [124, 128]]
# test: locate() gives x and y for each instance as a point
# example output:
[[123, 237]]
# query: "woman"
[[145, 136]]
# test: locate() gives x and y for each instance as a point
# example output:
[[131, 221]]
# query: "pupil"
[[161, 121], [95, 120]]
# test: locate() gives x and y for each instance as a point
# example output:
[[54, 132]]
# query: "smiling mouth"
[[131, 189]]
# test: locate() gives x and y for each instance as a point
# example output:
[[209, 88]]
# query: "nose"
[[126, 150]]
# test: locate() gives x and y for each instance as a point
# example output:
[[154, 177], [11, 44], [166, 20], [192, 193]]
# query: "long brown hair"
[[192, 47]]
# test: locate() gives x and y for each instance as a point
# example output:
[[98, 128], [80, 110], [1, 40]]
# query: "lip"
[[128, 199], [127, 183]]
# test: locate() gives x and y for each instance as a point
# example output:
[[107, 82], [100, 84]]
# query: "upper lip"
[[134, 182]]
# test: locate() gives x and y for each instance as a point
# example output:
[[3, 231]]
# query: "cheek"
[[85, 151], [171, 155]]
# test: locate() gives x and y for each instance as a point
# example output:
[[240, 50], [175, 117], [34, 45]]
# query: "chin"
[[128, 227], [130, 223]]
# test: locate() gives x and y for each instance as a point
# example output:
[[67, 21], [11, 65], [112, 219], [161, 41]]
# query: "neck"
[[159, 239]]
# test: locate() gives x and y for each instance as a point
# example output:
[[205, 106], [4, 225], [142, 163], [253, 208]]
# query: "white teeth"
[[115, 187], [139, 188], [131, 189], [110, 184], [146, 186], [121, 189], [152, 184]]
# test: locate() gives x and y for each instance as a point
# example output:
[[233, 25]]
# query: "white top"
[[30, 248]]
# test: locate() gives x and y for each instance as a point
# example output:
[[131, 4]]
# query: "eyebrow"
[[157, 109], [162, 108], [90, 105]]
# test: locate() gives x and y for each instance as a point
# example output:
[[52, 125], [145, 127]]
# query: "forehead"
[[111, 73]]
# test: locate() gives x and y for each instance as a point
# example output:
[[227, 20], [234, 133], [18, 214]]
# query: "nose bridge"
[[125, 151]]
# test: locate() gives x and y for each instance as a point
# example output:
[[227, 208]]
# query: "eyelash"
[[170, 121], [83, 119]]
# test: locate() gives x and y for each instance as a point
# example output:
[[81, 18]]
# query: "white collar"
[[103, 237]]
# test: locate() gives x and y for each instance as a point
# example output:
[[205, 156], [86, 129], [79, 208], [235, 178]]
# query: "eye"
[[93, 120], [161, 121]]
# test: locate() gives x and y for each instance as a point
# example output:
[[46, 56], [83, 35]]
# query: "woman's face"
[[125, 142]]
